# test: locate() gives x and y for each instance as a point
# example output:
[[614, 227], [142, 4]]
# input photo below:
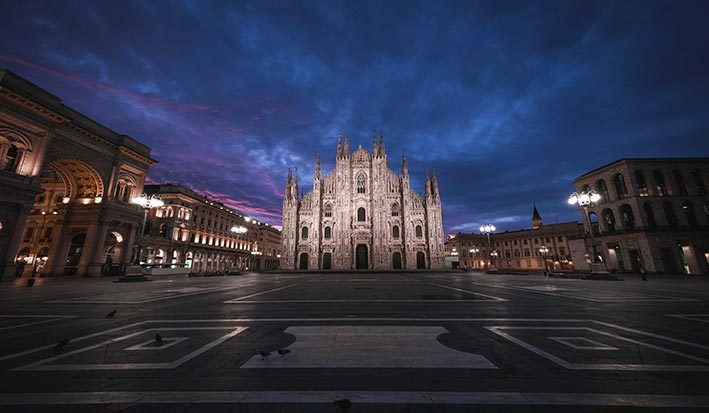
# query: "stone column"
[[95, 249], [7, 271]]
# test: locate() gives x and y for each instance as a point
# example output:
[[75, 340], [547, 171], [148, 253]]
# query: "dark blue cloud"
[[507, 100]]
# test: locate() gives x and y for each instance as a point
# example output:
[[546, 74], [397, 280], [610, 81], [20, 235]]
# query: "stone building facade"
[[193, 231], [362, 215], [65, 186], [517, 250], [653, 215]]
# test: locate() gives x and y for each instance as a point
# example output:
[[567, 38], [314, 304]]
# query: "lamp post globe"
[[489, 229], [585, 200]]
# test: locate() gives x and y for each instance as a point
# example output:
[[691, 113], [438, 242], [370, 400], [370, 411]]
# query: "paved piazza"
[[388, 342]]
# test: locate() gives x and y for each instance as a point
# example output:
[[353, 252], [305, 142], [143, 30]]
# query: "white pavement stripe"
[[51, 318], [262, 292], [357, 397], [101, 333], [112, 298], [492, 297]]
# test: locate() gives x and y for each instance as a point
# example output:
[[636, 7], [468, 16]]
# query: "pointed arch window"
[[361, 215], [395, 231], [328, 210], [361, 184], [328, 232], [304, 233], [419, 231], [395, 210]]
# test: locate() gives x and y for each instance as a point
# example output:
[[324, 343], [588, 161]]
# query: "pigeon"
[[283, 351], [60, 345], [343, 404], [264, 354], [111, 314], [158, 340]]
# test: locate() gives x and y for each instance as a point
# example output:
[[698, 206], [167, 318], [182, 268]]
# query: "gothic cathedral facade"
[[362, 216]]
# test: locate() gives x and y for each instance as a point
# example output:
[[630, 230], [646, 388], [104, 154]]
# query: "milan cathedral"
[[362, 216]]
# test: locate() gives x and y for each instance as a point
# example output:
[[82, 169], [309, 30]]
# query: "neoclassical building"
[[65, 186], [362, 215], [653, 215], [198, 233]]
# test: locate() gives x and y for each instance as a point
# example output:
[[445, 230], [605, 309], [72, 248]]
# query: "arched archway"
[[327, 261], [73, 257], [649, 215], [609, 220], [396, 261], [362, 257], [303, 265], [80, 179], [627, 216], [420, 260]]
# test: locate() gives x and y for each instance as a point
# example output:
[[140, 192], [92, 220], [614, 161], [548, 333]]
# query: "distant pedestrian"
[[643, 276]]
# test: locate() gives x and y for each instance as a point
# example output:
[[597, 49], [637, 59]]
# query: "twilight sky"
[[509, 101]]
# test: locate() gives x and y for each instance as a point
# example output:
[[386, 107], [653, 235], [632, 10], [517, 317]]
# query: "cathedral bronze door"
[[397, 260], [362, 257], [420, 260], [327, 261], [303, 261]]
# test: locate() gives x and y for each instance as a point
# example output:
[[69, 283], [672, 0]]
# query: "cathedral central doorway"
[[361, 255], [397, 261], [327, 261], [420, 260], [303, 261]]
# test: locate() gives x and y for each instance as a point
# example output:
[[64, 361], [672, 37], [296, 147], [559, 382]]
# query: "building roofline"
[[17, 84], [621, 160]]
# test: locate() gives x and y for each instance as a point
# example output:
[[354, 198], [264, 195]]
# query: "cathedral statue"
[[362, 216]]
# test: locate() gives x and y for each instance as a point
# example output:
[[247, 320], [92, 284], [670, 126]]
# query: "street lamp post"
[[238, 230], [489, 229], [494, 255], [544, 250], [147, 202], [587, 200], [474, 251]]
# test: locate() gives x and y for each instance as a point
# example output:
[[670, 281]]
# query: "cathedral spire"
[[287, 192], [374, 143], [382, 150], [434, 184], [347, 145], [317, 167], [428, 186], [404, 168], [339, 145], [536, 218], [295, 185]]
